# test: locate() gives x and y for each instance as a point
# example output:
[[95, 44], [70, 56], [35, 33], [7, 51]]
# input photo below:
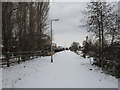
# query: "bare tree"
[[24, 23], [100, 22]]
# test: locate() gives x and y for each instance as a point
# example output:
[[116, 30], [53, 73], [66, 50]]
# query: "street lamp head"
[[55, 20]]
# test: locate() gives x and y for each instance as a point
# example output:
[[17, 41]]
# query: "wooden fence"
[[9, 58]]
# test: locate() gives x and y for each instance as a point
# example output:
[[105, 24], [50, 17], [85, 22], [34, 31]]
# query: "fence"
[[9, 58]]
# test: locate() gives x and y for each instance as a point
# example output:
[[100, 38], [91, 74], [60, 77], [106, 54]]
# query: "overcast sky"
[[67, 29]]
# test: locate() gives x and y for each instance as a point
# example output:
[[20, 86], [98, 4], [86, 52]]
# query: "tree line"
[[24, 25], [103, 21]]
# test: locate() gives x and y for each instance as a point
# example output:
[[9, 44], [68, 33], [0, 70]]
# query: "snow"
[[68, 70], [0, 78]]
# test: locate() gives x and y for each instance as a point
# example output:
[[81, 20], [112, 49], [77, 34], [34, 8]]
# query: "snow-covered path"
[[67, 71]]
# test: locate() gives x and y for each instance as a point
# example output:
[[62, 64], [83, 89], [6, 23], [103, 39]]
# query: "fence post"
[[32, 55], [24, 55], [2, 62], [7, 58], [36, 54], [18, 57]]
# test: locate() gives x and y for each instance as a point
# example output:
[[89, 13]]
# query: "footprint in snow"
[[19, 79]]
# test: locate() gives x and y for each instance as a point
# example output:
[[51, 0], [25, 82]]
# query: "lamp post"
[[51, 39]]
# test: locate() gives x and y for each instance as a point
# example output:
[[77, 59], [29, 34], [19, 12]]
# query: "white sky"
[[67, 29]]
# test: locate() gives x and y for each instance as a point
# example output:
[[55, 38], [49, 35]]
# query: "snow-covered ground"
[[0, 78], [67, 71]]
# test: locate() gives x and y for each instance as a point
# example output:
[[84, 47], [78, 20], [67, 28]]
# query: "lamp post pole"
[[52, 38], [51, 44]]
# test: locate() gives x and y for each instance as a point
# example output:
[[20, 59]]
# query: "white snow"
[[68, 70], [0, 78]]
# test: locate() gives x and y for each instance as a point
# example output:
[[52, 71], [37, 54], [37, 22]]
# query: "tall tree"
[[99, 22], [24, 23]]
